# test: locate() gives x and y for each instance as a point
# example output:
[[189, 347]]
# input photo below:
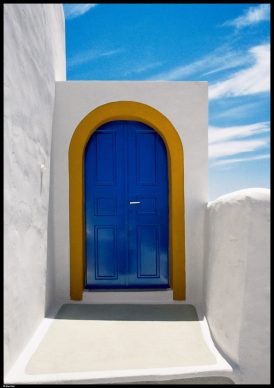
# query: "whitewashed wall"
[[237, 281], [185, 105], [34, 58]]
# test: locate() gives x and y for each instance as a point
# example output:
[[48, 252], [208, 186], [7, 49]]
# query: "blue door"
[[126, 207]]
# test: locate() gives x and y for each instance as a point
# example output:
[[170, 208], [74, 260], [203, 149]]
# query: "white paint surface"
[[81, 341], [132, 297], [237, 281], [185, 105], [18, 373], [34, 58]]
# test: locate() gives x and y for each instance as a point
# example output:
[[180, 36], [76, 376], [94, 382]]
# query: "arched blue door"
[[126, 207]]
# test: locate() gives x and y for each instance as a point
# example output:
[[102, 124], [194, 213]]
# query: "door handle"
[[134, 202]]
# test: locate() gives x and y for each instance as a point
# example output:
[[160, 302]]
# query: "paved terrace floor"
[[94, 342]]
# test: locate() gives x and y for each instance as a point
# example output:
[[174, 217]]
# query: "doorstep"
[[130, 296], [116, 343]]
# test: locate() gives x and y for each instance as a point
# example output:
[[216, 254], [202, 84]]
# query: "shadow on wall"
[[50, 284]]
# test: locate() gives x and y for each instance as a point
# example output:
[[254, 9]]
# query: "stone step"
[[131, 296], [119, 343]]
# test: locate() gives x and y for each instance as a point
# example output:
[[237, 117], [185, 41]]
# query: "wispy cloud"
[[91, 55], [217, 134], [253, 15], [144, 68], [240, 111], [228, 148], [230, 141], [219, 60], [239, 160], [255, 79], [180, 71], [75, 10]]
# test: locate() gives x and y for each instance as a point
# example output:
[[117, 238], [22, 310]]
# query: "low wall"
[[34, 58], [237, 281]]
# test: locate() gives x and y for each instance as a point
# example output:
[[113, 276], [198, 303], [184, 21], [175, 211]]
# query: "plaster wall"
[[237, 281], [185, 104], [34, 58]]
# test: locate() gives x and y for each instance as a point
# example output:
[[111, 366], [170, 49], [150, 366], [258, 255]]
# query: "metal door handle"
[[134, 203]]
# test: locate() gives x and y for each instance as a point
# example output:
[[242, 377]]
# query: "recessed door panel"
[[147, 251], [148, 220], [126, 207], [105, 208], [145, 143], [105, 161], [106, 242]]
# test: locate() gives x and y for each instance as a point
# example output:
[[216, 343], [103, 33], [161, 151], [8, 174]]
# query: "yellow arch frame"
[[135, 111]]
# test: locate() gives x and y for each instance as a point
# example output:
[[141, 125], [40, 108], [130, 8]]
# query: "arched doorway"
[[126, 208], [131, 111]]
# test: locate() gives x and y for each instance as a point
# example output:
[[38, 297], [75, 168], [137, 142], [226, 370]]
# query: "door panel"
[[105, 208], [105, 243], [148, 220], [147, 251], [126, 244], [145, 144], [106, 165]]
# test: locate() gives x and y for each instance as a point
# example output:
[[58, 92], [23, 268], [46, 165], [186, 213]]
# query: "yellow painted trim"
[[135, 111]]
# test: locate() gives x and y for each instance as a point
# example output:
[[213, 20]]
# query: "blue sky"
[[227, 45]]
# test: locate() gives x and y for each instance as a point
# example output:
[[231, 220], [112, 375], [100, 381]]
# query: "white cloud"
[[230, 141], [239, 160], [251, 80], [240, 111], [228, 148], [91, 55], [144, 68], [252, 16], [180, 71], [217, 134], [221, 59], [229, 61], [75, 10], [255, 79]]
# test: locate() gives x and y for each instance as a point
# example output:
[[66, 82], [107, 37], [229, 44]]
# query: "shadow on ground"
[[128, 312]]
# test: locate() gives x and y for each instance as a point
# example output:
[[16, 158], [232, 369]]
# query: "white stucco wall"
[[237, 281], [185, 104], [34, 58]]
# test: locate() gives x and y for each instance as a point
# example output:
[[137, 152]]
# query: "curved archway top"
[[126, 110], [132, 111]]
